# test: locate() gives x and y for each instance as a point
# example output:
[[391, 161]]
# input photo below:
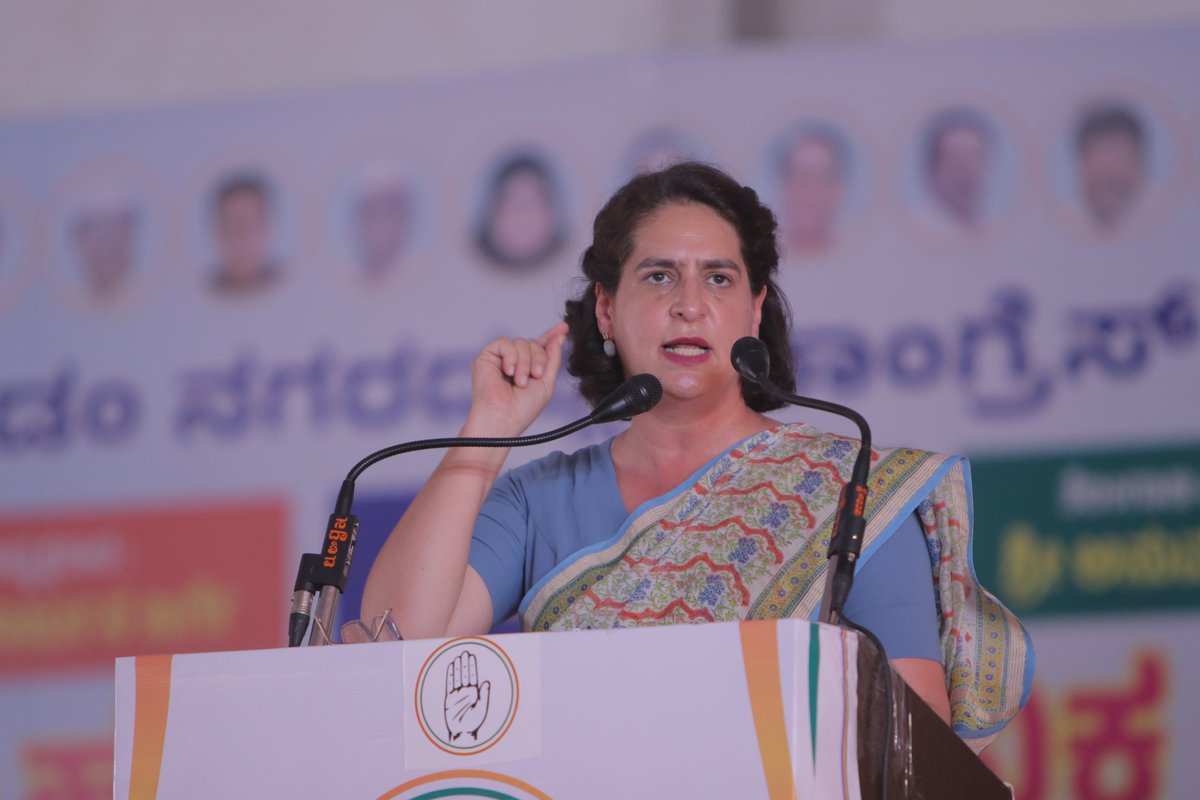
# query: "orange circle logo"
[[467, 695]]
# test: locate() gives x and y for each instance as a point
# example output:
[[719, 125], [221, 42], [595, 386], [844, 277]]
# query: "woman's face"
[[524, 219], [682, 301]]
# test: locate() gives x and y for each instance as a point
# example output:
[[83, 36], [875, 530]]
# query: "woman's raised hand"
[[512, 380]]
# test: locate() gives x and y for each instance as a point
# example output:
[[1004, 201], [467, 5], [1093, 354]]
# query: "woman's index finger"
[[554, 331]]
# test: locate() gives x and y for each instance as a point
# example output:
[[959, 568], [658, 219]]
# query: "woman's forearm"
[[419, 572]]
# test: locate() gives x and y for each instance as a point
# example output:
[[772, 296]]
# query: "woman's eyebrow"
[[722, 263], [660, 262], [655, 262]]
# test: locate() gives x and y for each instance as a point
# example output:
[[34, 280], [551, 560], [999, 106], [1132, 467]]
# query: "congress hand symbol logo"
[[467, 699]]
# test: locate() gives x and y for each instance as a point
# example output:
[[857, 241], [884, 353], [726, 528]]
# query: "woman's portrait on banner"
[[522, 220]]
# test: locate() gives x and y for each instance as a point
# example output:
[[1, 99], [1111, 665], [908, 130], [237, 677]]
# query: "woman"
[[703, 508], [521, 225]]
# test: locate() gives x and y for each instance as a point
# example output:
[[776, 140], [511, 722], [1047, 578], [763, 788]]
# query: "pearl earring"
[[610, 347]]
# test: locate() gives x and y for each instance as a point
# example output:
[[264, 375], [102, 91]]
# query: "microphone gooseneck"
[[325, 574], [752, 361], [636, 395]]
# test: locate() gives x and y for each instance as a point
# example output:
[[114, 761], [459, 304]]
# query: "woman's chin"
[[687, 388]]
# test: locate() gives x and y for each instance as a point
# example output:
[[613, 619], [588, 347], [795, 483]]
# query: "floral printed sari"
[[746, 538]]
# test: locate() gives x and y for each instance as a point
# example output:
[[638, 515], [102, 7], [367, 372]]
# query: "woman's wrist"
[[488, 424], [486, 461]]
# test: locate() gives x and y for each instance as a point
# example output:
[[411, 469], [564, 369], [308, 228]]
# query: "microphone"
[[324, 574], [752, 361], [635, 396]]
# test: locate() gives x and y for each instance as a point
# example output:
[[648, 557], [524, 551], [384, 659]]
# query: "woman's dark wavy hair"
[[612, 244]]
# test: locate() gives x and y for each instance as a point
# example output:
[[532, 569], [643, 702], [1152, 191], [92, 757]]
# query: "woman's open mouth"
[[687, 350]]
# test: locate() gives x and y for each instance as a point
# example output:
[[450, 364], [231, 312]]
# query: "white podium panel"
[[762, 709]]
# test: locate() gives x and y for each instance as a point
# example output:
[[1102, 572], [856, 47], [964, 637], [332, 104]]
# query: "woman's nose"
[[688, 303]]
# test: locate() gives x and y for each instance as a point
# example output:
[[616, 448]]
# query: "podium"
[[771, 709]]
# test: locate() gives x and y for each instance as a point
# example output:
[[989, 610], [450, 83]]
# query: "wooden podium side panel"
[[927, 760]]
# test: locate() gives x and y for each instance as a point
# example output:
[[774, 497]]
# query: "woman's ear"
[[603, 310], [758, 306]]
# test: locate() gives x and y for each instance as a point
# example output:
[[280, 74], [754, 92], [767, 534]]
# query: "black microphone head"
[[751, 359], [645, 391], [636, 395]]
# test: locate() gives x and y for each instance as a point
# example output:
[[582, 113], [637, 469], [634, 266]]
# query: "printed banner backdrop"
[[209, 312], [1099, 552]]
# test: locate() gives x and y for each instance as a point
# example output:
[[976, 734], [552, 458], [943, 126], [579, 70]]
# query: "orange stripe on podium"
[[760, 651], [152, 696]]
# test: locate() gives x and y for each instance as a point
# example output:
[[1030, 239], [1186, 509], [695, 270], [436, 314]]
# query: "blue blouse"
[[539, 514]]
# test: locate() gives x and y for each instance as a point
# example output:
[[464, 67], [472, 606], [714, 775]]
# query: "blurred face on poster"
[[812, 187], [105, 243], [958, 164], [382, 225], [242, 228], [521, 225], [1110, 148]]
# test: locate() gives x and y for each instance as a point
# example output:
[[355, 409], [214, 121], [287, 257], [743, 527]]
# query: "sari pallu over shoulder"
[[745, 537]]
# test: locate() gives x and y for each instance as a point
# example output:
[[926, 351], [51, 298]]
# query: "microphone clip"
[[323, 575]]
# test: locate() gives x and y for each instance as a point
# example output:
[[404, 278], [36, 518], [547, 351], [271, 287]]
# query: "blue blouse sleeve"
[[499, 543], [893, 595]]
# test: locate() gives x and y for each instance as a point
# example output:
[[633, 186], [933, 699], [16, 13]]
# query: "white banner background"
[[96, 398]]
